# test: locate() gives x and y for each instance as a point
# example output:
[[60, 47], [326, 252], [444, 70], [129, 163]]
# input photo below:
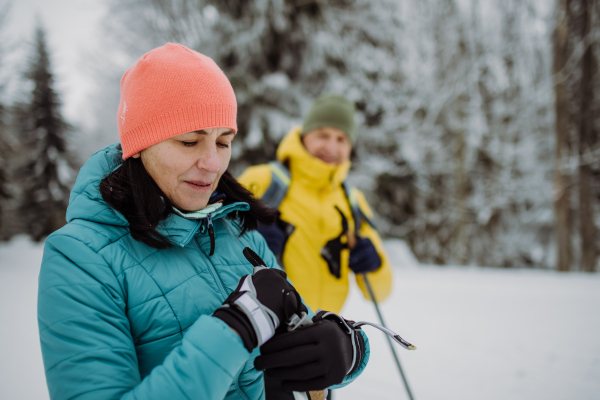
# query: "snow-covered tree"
[[576, 48], [278, 54], [5, 150], [456, 150], [473, 129], [45, 173]]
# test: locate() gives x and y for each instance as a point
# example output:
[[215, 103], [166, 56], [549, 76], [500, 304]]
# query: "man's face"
[[330, 145]]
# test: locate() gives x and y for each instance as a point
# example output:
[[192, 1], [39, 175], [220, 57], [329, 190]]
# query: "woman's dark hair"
[[131, 191]]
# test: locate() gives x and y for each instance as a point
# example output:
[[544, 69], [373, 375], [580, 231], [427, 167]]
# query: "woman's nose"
[[209, 161]]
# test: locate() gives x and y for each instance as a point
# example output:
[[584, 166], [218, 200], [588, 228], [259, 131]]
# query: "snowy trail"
[[21, 369], [481, 334], [485, 333]]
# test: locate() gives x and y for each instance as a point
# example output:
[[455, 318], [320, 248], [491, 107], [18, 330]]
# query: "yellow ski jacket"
[[315, 190]]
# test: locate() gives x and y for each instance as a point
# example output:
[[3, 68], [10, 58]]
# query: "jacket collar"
[[306, 168], [181, 230]]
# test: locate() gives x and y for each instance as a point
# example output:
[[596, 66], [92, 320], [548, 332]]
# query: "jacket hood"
[[305, 167], [86, 203]]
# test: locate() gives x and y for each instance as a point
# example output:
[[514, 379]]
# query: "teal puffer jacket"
[[121, 320]]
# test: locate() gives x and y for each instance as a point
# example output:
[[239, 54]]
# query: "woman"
[[157, 287]]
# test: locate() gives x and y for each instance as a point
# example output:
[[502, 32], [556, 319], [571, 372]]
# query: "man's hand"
[[364, 257]]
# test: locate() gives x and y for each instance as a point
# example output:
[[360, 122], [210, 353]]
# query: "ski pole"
[[410, 396]]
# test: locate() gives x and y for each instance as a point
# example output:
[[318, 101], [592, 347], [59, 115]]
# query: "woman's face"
[[187, 167]]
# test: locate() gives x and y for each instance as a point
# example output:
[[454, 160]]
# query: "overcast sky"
[[71, 26]]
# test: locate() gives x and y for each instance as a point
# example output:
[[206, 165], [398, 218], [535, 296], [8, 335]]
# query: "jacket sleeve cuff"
[[212, 345]]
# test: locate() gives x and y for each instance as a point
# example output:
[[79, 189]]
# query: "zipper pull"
[[211, 234]]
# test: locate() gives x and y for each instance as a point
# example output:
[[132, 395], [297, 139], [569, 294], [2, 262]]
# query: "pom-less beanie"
[[169, 91], [334, 111]]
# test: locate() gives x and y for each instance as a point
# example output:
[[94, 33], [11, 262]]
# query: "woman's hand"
[[313, 357], [261, 304]]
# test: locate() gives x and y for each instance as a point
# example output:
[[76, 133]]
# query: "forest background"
[[478, 140]]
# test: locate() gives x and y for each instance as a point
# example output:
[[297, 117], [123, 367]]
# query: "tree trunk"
[[586, 143], [561, 180], [460, 246], [460, 243]]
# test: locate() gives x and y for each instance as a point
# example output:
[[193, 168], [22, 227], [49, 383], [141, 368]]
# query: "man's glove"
[[364, 257], [261, 305], [313, 357]]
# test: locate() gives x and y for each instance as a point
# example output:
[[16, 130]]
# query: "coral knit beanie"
[[169, 91]]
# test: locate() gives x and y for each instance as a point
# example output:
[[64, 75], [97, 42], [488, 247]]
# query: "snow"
[[481, 333], [21, 368]]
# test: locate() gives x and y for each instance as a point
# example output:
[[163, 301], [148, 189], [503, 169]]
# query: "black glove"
[[364, 257], [261, 305], [313, 357]]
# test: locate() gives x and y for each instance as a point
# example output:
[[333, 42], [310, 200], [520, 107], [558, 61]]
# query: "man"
[[325, 229]]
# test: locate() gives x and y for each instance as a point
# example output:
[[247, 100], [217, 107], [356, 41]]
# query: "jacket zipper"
[[211, 234], [217, 279]]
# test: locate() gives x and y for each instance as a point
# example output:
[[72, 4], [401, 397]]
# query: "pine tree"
[[45, 175], [5, 192]]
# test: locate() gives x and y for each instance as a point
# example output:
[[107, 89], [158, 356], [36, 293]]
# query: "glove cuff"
[[244, 311], [239, 323]]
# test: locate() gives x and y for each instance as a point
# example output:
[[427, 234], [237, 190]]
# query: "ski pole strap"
[[388, 332], [357, 214], [358, 343], [297, 321]]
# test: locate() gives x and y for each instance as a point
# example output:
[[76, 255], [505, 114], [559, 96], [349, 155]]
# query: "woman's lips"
[[200, 186]]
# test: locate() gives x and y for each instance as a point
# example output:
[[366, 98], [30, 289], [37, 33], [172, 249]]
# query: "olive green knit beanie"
[[334, 111]]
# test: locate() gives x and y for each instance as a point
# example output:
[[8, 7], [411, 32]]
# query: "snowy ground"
[[481, 334]]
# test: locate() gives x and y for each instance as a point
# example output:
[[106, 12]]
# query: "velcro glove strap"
[[263, 320], [263, 304]]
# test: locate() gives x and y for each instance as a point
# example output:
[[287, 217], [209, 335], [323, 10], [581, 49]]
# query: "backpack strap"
[[357, 214], [280, 183]]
